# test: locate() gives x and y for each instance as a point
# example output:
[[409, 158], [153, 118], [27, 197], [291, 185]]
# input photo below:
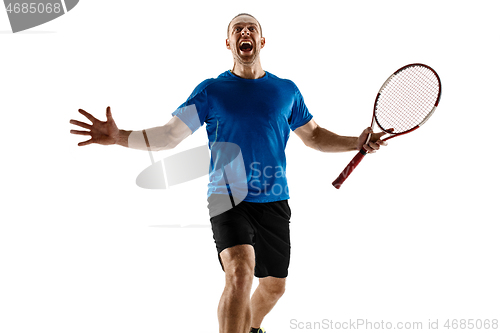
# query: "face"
[[244, 39]]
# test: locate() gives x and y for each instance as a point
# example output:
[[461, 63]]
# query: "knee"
[[239, 277], [276, 289], [239, 263]]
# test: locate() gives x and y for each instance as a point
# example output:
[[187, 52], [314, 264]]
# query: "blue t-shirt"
[[248, 126]]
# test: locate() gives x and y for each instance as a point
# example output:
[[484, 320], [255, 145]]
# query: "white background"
[[412, 235]]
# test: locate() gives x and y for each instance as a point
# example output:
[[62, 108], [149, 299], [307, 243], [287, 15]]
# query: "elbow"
[[170, 142], [165, 143], [314, 139], [310, 143]]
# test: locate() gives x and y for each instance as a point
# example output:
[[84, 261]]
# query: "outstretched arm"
[[323, 140], [107, 133]]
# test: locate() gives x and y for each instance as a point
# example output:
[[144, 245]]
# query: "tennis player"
[[253, 111]]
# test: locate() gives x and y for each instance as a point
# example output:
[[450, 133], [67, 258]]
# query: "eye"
[[251, 29]]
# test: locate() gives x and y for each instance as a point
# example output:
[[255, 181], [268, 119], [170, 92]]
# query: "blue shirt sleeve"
[[300, 114], [194, 110]]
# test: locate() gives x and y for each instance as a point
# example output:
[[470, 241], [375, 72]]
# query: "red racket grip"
[[349, 168]]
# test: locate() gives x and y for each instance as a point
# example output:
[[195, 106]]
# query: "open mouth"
[[246, 46]]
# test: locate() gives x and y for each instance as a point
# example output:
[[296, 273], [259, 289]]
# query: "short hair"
[[241, 14]]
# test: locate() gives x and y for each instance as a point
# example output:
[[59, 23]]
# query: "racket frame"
[[357, 159], [374, 118]]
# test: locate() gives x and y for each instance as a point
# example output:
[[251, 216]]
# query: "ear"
[[262, 42], [227, 44]]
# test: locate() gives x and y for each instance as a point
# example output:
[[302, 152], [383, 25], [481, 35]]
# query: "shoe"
[[261, 330]]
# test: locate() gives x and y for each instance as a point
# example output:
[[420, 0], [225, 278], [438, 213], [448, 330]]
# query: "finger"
[[79, 123], [88, 115], [372, 147], [382, 142], [378, 136], [79, 132], [85, 143], [369, 149], [387, 132], [108, 113]]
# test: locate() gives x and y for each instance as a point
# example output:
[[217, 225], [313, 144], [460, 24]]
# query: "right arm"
[[107, 133], [158, 138]]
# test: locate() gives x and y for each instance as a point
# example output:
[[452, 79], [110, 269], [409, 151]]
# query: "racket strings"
[[407, 98]]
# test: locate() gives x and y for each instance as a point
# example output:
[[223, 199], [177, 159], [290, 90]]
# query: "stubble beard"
[[245, 62]]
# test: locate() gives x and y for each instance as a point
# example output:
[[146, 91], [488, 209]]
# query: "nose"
[[245, 31]]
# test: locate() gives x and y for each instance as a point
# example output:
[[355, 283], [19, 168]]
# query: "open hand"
[[374, 144], [101, 132]]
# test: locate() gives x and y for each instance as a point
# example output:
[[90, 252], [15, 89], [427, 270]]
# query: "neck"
[[253, 71]]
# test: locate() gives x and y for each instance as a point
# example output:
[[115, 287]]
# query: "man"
[[255, 111]]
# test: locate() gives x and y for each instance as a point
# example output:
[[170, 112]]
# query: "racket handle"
[[349, 168]]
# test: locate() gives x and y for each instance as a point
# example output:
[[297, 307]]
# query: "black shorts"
[[265, 226]]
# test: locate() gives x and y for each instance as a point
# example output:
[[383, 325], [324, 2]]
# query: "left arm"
[[323, 140]]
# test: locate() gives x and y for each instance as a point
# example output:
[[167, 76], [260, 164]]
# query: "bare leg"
[[234, 306], [265, 296]]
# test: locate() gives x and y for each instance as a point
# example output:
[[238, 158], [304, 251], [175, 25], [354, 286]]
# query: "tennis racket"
[[405, 102]]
